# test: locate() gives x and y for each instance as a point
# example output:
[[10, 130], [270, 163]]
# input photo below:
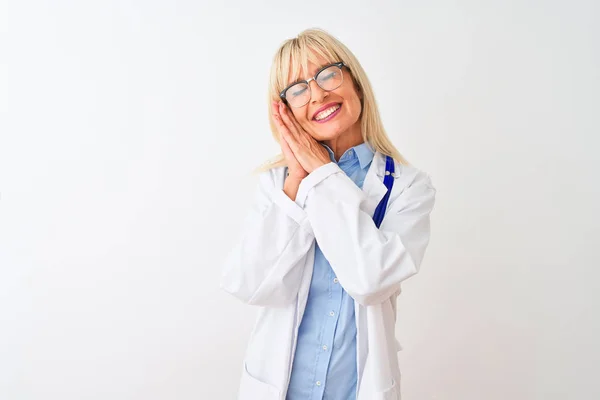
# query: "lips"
[[325, 107]]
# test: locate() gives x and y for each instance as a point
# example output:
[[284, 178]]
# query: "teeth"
[[326, 113]]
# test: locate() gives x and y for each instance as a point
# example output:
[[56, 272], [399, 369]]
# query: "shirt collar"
[[364, 152]]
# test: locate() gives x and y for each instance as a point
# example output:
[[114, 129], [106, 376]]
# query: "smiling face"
[[329, 116]]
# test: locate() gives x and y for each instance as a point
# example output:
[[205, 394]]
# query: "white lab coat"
[[271, 267]]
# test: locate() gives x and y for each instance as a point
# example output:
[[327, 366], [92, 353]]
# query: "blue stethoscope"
[[388, 181]]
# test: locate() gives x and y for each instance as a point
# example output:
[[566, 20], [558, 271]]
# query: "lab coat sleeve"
[[370, 263], [265, 265]]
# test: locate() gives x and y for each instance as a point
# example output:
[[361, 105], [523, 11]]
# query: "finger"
[[290, 140], [285, 147], [287, 120], [284, 132], [300, 134], [292, 161], [292, 119], [284, 112], [275, 113], [289, 115], [303, 139], [288, 149], [287, 130], [299, 138]]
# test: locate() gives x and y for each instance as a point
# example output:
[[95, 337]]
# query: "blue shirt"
[[324, 365]]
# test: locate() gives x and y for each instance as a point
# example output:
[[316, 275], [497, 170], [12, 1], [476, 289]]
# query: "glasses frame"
[[339, 64]]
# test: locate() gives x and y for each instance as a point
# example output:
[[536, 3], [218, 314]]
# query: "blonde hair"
[[295, 53]]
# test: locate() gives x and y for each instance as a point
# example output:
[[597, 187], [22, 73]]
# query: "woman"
[[316, 254]]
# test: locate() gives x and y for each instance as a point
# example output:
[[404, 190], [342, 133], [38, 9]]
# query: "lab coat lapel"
[[374, 189], [373, 185]]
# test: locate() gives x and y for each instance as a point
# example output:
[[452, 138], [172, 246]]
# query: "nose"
[[316, 93]]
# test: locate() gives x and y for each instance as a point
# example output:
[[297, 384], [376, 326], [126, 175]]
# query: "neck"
[[352, 137]]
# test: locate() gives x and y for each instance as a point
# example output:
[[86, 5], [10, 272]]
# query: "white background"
[[128, 133]]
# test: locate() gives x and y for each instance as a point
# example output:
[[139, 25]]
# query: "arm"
[[369, 262], [265, 266]]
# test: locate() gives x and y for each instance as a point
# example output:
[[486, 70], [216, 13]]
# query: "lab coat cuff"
[[291, 209], [313, 179]]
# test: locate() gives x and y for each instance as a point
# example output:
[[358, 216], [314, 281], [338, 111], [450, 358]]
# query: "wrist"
[[295, 177], [290, 188], [316, 165]]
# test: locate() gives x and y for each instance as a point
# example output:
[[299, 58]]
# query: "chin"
[[327, 134]]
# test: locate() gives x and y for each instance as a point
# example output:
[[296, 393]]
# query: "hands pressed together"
[[302, 152]]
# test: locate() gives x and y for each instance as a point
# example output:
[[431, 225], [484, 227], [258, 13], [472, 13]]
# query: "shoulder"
[[408, 176], [415, 193], [405, 176], [272, 177]]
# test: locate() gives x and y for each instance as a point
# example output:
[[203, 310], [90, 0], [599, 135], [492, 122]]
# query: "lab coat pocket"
[[254, 389]]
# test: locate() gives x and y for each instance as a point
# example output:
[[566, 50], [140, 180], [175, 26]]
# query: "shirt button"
[[318, 383], [331, 313], [324, 347], [335, 280]]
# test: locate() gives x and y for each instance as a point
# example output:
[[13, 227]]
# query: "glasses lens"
[[330, 78], [298, 95]]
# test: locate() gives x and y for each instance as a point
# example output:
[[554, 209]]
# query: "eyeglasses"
[[328, 78]]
